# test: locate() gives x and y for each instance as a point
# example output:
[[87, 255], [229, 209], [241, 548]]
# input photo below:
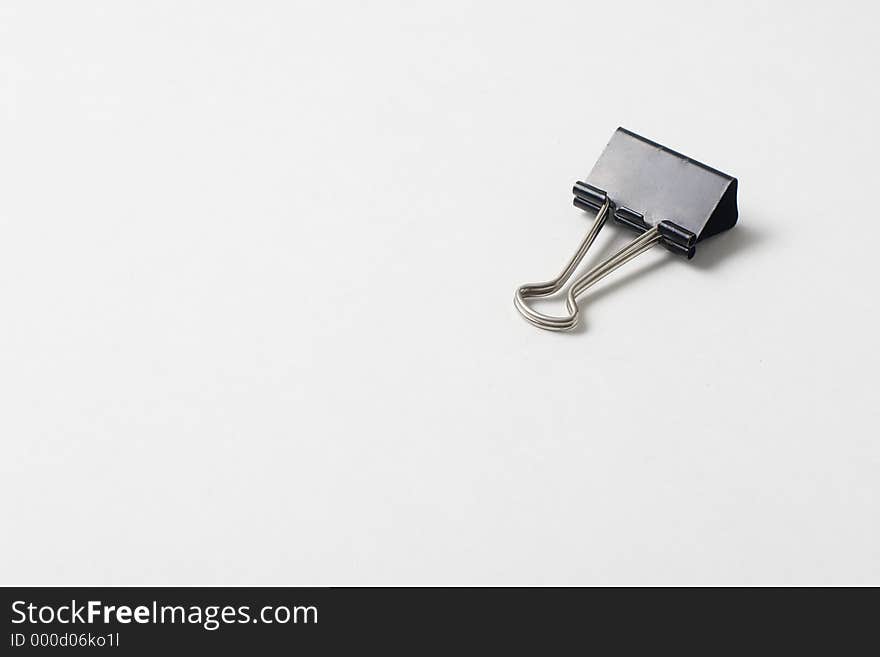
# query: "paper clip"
[[665, 196]]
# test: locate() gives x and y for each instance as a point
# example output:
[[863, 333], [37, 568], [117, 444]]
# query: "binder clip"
[[666, 197]]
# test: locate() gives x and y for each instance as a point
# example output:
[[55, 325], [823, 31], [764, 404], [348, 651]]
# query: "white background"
[[257, 263]]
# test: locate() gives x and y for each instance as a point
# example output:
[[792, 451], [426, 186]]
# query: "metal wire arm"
[[639, 245]]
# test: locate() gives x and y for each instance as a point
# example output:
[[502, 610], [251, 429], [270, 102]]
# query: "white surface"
[[256, 273]]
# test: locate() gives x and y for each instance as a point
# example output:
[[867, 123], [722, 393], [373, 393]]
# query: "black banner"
[[125, 621]]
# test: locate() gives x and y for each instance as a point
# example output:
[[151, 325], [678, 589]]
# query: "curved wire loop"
[[554, 323]]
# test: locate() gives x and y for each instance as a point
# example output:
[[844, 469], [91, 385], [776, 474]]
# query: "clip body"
[[651, 185], [664, 195]]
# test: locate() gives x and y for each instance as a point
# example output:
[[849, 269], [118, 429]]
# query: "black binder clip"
[[665, 196]]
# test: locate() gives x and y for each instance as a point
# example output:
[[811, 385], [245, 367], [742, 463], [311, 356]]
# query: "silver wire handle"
[[551, 323]]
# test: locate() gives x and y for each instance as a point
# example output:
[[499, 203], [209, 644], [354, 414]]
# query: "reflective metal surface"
[[552, 323]]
